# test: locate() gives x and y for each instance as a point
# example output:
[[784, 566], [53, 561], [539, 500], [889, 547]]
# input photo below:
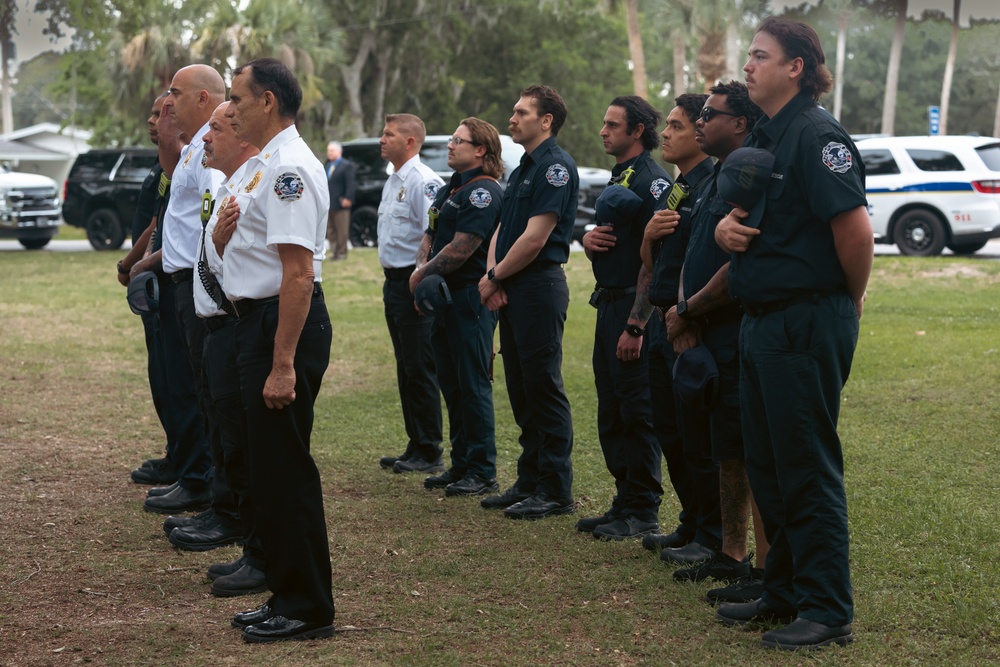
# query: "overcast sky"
[[31, 42]]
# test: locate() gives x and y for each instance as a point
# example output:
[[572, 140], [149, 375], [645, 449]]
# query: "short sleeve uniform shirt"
[[402, 213], [283, 199]]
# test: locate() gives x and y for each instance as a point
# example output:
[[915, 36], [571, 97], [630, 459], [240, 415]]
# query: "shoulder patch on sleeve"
[[288, 186], [658, 187], [430, 189], [557, 175], [480, 198], [837, 157]]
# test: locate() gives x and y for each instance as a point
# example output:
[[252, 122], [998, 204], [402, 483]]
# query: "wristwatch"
[[635, 331], [682, 309], [491, 276], [121, 269]]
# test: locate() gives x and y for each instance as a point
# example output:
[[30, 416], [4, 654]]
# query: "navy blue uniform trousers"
[[625, 416], [531, 331], [794, 365]]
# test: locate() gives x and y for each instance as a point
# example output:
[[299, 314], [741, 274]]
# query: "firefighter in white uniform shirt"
[[271, 240]]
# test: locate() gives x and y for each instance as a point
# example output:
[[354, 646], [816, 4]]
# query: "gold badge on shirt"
[[253, 182], [187, 159], [204, 160]]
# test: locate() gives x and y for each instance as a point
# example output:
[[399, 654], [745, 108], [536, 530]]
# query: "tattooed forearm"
[[642, 308], [454, 254]]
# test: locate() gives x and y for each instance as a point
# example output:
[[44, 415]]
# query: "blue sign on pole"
[[934, 120]]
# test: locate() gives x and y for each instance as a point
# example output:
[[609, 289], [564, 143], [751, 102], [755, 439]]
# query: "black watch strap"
[[635, 331]]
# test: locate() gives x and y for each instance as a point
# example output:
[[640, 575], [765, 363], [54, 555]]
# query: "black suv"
[[102, 192]]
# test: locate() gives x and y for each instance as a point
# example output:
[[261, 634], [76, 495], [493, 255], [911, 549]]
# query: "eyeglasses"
[[708, 113], [458, 141]]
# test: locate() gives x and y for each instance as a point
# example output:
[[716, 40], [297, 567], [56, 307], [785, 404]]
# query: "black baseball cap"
[[432, 295], [616, 202], [696, 377], [743, 180]]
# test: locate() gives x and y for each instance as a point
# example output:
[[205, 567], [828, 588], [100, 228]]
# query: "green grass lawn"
[[435, 581]]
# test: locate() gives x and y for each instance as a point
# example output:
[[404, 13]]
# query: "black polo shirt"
[[148, 201], [619, 266], [668, 253], [469, 207], [546, 181], [818, 174], [703, 257]]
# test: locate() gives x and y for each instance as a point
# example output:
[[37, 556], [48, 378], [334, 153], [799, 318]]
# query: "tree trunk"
[[892, 75], [949, 69], [996, 116], [680, 62], [838, 78], [351, 76], [639, 82]]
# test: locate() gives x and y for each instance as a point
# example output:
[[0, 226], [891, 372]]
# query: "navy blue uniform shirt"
[[471, 209], [818, 174], [619, 266], [546, 181], [668, 253]]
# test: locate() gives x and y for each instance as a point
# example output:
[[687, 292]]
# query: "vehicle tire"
[[919, 232], [966, 248], [35, 243], [104, 230], [364, 227]]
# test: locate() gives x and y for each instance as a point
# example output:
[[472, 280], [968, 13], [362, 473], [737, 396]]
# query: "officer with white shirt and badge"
[[402, 217], [194, 93], [271, 239]]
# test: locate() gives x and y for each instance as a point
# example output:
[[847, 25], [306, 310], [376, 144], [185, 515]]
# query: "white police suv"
[[928, 193]]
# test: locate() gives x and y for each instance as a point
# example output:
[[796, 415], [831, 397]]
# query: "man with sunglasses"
[[706, 310], [621, 359], [463, 216], [800, 273]]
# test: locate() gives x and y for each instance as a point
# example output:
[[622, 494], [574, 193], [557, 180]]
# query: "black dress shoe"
[[206, 518], [625, 528], [805, 634], [216, 570], [154, 471], [205, 538], [509, 497], [746, 589], [179, 500], [449, 476], [417, 464], [589, 523], [245, 581], [745, 613], [719, 568], [386, 462], [161, 490], [279, 628], [471, 485], [539, 507], [687, 555], [658, 543], [245, 618]]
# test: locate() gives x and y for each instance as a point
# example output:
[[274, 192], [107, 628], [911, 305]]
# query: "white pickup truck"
[[29, 208]]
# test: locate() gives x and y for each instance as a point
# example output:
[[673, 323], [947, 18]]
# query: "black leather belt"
[[775, 306], [402, 273], [181, 276], [215, 323], [608, 294], [244, 306]]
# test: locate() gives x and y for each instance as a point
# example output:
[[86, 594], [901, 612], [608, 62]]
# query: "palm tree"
[[949, 69], [892, 76]]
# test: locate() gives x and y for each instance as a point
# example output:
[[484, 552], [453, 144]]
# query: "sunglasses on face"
[[708, 113]]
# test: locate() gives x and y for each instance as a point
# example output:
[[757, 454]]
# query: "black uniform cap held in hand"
[[433, 295], [743, 181]]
